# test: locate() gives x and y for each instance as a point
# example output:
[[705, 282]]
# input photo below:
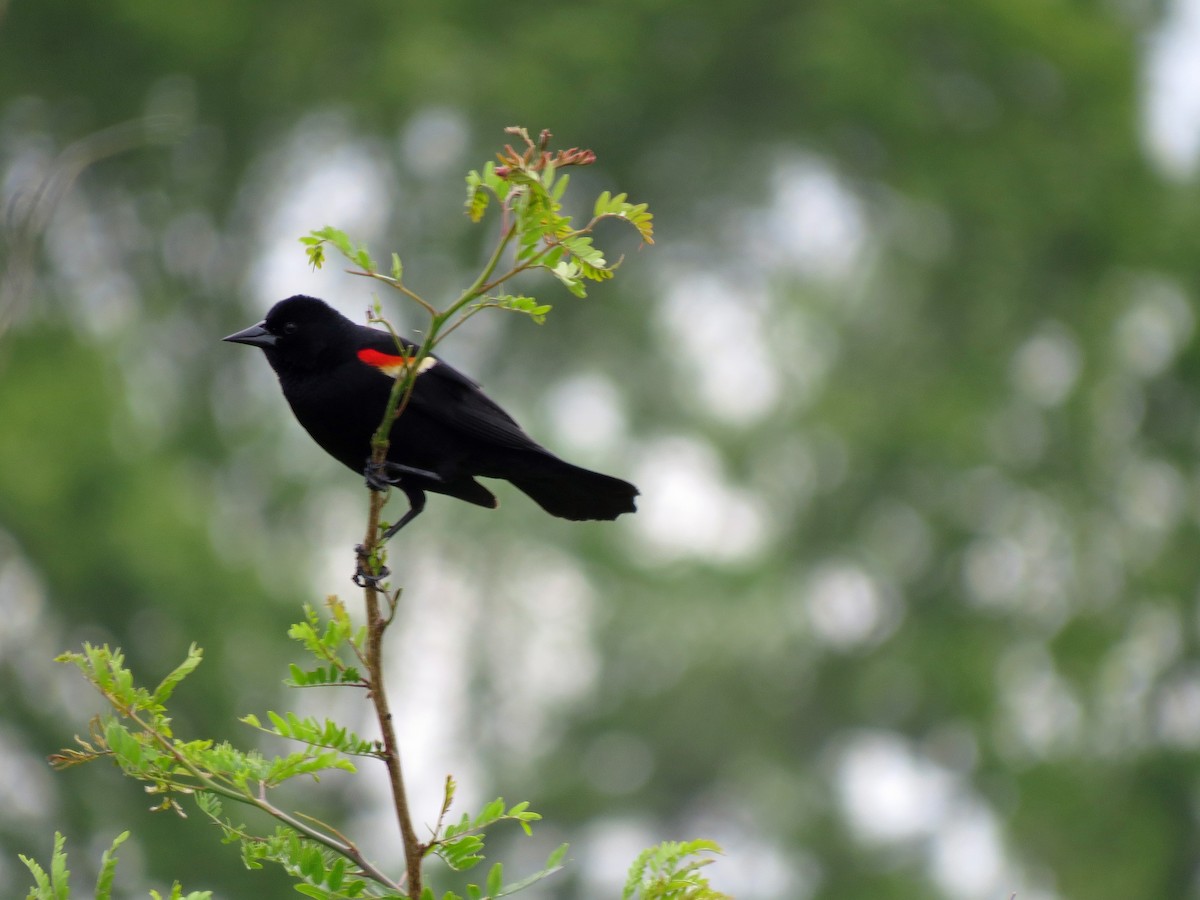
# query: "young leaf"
[[361, 258], [568, 273], [671, 869], [637, 215], [553, 864], [490, 813], [108, 867], [316, 255], [495, 880], [167, 686]]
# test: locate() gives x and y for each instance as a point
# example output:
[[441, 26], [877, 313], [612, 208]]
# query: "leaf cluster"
[[672, 871], [137, 736], [528, 187], [336, 645], [56, 885], [530, 190]]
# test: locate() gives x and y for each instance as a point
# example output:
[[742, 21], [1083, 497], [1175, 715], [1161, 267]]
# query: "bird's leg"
[[381, 476], [362, 574], [416, 501]]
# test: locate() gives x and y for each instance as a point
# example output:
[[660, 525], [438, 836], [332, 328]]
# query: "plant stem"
[[368, 552], [376, 625], [214, 785], [480, 285]]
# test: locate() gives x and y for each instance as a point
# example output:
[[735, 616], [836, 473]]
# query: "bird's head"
[[298, 333]]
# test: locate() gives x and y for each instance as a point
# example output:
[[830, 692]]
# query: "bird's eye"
[[290, 328]]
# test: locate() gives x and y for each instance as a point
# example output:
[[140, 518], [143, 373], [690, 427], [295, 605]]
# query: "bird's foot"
[[363, 575], [377, 477], [381, 476]]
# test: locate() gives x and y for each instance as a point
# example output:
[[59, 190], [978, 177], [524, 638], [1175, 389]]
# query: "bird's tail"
[[574, 493]]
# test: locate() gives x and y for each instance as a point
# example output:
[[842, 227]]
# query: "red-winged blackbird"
[[337, 376]]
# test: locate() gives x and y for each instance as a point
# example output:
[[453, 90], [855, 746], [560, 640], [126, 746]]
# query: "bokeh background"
[[909, 384]]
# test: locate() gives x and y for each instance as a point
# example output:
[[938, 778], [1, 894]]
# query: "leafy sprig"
[[672, 871], [528, 186], [55, 884], [325, 863]]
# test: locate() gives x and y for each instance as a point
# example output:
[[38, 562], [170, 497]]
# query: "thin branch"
[[376, 625], [212, 784], [369, 550], [447, 799], [466, 315], [347, 849], [398, 285], [479, 287]]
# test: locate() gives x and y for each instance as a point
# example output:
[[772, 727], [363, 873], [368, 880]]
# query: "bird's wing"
[[447, 395]]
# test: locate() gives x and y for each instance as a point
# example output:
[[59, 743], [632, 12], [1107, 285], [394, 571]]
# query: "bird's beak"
[[255, 335]]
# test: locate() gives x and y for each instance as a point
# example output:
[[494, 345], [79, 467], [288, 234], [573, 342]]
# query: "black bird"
[[337, 376]]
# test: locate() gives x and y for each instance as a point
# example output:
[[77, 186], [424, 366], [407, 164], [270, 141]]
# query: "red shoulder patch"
[[389, 363], [385, 361]]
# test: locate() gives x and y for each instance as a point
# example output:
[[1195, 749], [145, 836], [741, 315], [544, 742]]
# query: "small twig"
[[344, 847], [329, 828], [398, 285], [447, 799], [212, 784], [376, 625]]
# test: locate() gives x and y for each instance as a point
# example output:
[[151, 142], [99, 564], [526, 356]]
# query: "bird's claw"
[[366, 579], [376, 475], [363, 576]]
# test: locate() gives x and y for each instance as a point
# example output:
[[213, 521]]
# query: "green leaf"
[[56, 884], [490, 813], [326, 733], [481, 188], [41, 883], [125, 747], [209, 803], [495, 879], [336, 874], [334, 236], [316, 256], [397, 268], [312, 865], [554, 860], [560, 186], [357, 255], [177, 894], [462, 853], [568, 273], [553, 864], [523, 304], [671, 869], [637, 215], [108, 867], [168, 684]]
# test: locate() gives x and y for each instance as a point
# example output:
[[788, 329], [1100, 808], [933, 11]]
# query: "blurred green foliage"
[[909, 387]]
